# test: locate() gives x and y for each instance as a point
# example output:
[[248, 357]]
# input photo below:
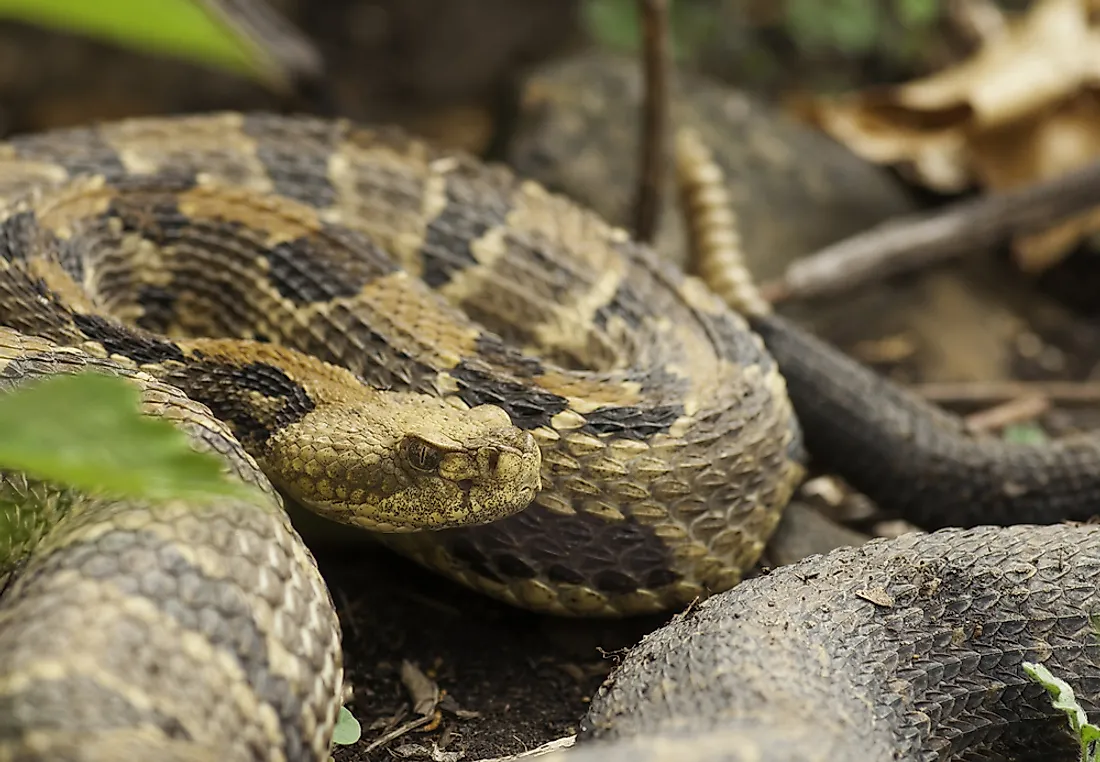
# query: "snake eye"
[[421, 455]]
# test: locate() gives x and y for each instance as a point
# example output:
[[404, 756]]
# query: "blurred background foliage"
[[168, 27], [749, 42], [856, 27]]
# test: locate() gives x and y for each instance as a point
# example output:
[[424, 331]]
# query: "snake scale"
[[401, 339]]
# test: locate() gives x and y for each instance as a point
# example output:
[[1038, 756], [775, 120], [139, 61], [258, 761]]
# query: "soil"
[[510, 680]]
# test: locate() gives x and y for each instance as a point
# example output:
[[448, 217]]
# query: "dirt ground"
[[510, 680]]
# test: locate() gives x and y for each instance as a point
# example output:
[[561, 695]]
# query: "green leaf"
[[1025, 433], [181, 28], [86, 431], [851, 26], [1089, 734], [347, 729], [614, 23], [917, 13], [1061, 694], [1094, 624], [1063, 699]]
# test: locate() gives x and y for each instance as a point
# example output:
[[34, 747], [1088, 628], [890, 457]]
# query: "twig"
[[655, 118], [914, 241], [994, 392], [397, 732], [998, 417], [550, 746]]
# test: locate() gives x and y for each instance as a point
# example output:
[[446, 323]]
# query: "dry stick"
[[1019, 410], [914, 241], [994, 392], [655, 118], [397, 732], [550, 746]]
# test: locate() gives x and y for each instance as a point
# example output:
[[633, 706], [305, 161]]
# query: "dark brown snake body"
[[492, 323]]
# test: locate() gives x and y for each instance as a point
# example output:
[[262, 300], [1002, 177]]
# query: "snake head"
[[493, 470], [407, 462]]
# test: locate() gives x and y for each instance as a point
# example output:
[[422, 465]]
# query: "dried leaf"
[[423, 691], [1024, 108]]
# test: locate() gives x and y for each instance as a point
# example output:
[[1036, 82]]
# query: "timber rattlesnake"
[[560, 352]]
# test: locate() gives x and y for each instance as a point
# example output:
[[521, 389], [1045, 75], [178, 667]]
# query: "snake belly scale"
[[408, 339]]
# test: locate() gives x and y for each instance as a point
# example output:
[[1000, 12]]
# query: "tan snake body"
[[401, 338], [307, 234]]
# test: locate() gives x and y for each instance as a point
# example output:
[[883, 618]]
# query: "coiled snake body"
[[347, 244], [402, 339], [660, 426]]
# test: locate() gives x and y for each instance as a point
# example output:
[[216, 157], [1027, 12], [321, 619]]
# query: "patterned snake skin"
[[907, 649], [630, 378], [170, 631], [513, 341]]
